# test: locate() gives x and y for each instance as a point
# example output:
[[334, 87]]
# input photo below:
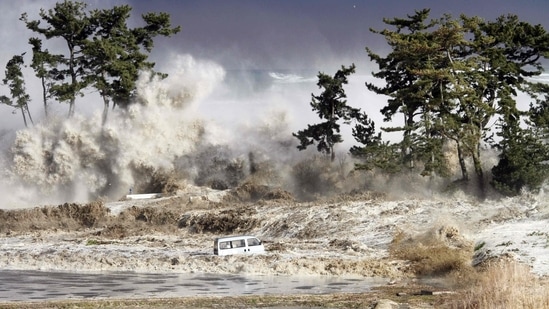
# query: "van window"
[[253, 242], [225, 245], [239, 243]]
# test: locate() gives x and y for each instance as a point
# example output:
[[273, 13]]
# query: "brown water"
[[35, 285]]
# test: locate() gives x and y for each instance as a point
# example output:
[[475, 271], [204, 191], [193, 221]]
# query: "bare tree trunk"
[[73, 80], [28, 113], [45, 97], [478, 170], [409, 156], [24, 117], [461, 159], [71, 108], [105, 110], [332, 158]]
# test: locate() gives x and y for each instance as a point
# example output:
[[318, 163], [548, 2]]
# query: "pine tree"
[[330, 105], [14, 79], [450, 78]]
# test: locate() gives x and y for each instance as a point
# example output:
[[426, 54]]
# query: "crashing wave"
[[290, 78], [77, 159]]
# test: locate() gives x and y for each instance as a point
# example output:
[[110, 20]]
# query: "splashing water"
[[202, 125], [77, 159]]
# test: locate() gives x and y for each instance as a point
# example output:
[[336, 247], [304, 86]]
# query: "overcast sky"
[[276, 34], [317, 35], [283, 34]]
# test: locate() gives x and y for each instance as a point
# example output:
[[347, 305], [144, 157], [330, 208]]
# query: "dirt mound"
[[71, 216], [116, 231], [251, 192], [278, 194], [347, 245], [163, 182], [151, 215], [166, 216], [439, 251], [155, 216], [238, 220], [158, 217]]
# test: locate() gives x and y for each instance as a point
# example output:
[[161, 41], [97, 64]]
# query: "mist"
[[193, 126]]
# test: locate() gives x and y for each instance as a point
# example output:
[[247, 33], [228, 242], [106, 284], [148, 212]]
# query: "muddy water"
[[34, 285]]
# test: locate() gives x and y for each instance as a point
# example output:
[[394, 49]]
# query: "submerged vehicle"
[[244, 244]]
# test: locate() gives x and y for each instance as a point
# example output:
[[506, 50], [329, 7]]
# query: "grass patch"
[[92, 242], [432, 254], [499, 283], [96, 242], [479, 246], [505, 284]]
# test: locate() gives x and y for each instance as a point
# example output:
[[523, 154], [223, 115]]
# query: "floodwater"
[[23, 285]]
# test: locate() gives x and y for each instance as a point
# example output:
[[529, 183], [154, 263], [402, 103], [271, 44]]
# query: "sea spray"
[[77, 159], [195, 126]]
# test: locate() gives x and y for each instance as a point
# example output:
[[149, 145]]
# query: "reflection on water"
[[34, 285]]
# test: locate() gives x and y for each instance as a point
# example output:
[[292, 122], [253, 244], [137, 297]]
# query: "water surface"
[[24, 285]]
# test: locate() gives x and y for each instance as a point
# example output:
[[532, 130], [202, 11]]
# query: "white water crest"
[[76, 159], [290, 78]]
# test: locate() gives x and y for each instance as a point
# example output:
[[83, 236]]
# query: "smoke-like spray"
[[193, 126], [77, 159]]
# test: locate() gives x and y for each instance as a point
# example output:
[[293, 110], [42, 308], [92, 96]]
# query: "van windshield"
[[253, 242]]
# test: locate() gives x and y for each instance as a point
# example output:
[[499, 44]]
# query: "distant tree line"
[[455, 83], [101, 52]]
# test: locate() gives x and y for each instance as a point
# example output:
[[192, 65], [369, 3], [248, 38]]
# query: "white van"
[[244, 244]]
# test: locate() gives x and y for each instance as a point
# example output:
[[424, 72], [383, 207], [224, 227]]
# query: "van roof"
[[234, 237]]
